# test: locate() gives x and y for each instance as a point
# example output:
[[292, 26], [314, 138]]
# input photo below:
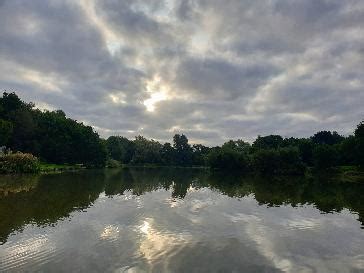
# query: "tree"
[[227, 158], [183, 150], [24, 129], [290, 161], [59, 137], [9, 103], [348, 151], [238, 146], [266, 161], [359, 137], [268, 142], [6, 130], [325, 156], [146, 151], [167, 154], [199, 154], [120, 148], [326, 137], [305, 147]]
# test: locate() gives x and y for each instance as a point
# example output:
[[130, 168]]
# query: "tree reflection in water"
[[46, 199]]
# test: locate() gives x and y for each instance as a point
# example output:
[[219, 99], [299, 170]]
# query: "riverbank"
[[350, 174], [55, 168]]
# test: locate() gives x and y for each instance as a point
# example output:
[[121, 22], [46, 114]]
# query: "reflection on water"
[[173, 220]]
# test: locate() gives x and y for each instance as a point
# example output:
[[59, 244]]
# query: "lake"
[[179, 220]]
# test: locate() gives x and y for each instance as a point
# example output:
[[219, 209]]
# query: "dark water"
[[163, 220]]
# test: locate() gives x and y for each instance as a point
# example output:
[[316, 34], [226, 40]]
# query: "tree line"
[[54, 138], [49, 135]]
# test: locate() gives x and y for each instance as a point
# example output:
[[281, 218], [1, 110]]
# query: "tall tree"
[[183, 150]]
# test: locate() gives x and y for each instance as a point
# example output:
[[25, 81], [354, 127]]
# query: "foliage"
[[348, 151], [268, 142], [266, 161], [56, 139], [199, 154], [325, 156], [183, 155], [50, 135], [18, 163], [238, 146], [167, 154], [279, 161], [6, 131], [112, 163], [290, 161], [359, 136], [305, 147], [146, 151], [326, 137], [227, 158], [120, 148]]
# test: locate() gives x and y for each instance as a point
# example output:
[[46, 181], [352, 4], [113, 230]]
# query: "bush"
[[112, 163], [18, 163]]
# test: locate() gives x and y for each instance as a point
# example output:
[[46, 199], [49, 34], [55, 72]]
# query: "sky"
[[211, 69]]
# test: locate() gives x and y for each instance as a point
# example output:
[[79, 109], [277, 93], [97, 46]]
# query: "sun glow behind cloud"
[[158, 92]]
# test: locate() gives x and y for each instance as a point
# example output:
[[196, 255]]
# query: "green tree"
[[146, 151], [183, 150], [325, 156], [120, 148], [290, 161], [348, 151], [268, 142], [6, 130], [305, 147], [227, 158], [359, 136], [199, 154], [168, 154], [239, 146], [326, 137], [266, 161]]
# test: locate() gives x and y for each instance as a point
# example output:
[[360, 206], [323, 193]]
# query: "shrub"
[[112, 163], [18, 163]]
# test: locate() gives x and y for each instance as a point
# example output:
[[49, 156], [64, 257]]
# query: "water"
[[165, 220]]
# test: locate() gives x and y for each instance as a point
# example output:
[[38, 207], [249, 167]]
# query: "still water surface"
[[168, 220]]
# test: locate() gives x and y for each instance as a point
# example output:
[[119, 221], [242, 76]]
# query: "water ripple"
[[37, 250]]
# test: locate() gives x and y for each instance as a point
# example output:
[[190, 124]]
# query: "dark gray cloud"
[[211, 69]]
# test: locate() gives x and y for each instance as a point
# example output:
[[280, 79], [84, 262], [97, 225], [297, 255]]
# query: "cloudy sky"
[[211, 69]]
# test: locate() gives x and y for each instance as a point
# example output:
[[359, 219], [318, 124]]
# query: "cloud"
[[213, 70]]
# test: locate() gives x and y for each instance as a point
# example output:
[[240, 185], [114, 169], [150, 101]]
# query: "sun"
[[158, 92]]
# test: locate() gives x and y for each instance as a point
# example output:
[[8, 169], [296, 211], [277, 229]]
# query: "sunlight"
[[110, 232], [154, 98], [158, 92], [145, 227], [117, 99]]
